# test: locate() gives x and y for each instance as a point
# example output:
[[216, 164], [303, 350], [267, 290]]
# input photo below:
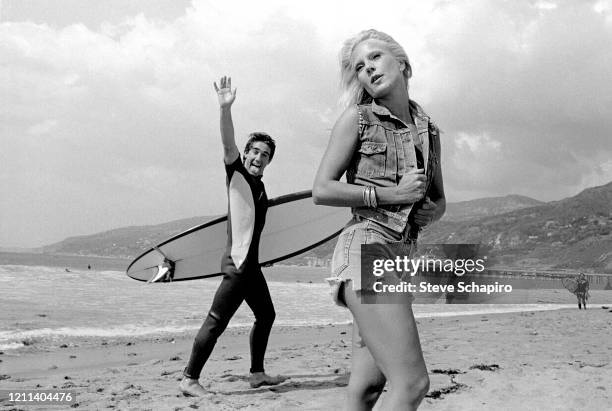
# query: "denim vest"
[[385, 152]]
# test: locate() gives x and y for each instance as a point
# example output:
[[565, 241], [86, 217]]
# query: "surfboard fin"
[[165, 272]]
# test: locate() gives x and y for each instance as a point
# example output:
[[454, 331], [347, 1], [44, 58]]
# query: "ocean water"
[[49, 305]]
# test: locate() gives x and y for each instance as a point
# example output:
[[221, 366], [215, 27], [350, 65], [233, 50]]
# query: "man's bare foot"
[[192, 388], [257, 379]]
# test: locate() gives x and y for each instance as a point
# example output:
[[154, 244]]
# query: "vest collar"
[[420, 118]]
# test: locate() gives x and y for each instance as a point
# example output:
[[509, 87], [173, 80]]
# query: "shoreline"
[[70, 261], [498, 361], [115, 263], [47, 339]]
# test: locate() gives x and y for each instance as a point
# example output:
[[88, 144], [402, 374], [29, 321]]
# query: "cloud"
[[134, 114], [42, 128], [533, 78], [545, 5], [477, 143], [115, 111]]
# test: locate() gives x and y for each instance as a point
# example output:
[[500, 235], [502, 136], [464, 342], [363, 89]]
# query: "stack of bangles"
[[369, 196]]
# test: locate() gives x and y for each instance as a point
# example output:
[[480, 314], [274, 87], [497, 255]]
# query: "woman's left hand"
[[426, 214]]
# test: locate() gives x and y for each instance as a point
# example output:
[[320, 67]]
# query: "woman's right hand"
[[411, 187], [225, 94]]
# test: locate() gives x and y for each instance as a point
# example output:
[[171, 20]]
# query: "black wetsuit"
[[242, 278]]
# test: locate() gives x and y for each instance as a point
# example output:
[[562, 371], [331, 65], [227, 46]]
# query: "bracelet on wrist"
[[369, 197]]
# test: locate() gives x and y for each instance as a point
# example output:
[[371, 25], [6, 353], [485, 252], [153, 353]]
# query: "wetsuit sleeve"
[[230, 169]]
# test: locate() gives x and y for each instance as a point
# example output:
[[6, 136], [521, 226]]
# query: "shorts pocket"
[[340, 259]]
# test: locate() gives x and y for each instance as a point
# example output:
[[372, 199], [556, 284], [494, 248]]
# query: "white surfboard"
[[293, 225]]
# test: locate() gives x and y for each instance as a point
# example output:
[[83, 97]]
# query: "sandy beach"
[[532, 360]]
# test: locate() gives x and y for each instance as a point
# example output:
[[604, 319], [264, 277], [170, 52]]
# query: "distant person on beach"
[[582, 291], [390, 151], [242, 276]]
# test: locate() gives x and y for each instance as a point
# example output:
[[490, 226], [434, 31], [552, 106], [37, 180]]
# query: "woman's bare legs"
[[366, 382], [392, 342]]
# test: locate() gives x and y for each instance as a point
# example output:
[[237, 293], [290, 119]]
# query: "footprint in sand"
[[485, 367], [448, 371]]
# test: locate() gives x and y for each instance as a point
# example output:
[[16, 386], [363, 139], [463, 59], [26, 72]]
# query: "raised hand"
[[225, 94], [411, 187]]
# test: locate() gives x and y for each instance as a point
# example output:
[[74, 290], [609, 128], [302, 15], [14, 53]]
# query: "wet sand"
[[533, 360]]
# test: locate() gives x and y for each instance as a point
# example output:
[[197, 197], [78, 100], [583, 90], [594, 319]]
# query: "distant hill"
[[575, 232], [572, 233], [127, 242], [486, 207]]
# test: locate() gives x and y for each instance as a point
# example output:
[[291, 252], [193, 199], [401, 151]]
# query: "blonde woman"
[[390, 151]]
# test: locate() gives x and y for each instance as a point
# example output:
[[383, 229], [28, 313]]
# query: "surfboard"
[[294, 225], [570, 284]]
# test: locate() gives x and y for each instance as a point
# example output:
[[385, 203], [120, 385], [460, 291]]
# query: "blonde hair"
[[352, 91]]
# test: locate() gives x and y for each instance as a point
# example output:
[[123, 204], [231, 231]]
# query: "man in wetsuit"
[[242, 276], [582, 290]]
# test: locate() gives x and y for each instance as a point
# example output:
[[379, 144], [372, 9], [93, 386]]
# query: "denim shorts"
[[346, 260]]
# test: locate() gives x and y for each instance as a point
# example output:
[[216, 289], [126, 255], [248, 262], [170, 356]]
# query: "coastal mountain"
[[126, 242], [575, 232], [486, 207]]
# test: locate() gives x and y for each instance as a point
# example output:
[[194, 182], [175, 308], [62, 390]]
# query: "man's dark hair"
[[264, 138]]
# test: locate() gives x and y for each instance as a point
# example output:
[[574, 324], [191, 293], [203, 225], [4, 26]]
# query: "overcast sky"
[[109, 118]]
